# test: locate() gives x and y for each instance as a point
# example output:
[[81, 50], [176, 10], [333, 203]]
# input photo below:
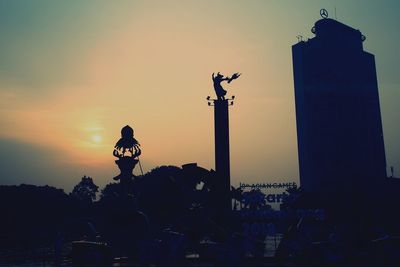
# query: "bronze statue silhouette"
[[127, 150], [127, 143], [219, 90]]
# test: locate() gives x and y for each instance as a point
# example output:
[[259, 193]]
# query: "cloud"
[[34, 164]]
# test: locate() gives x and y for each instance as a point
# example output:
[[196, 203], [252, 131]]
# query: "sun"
[[97, 138]]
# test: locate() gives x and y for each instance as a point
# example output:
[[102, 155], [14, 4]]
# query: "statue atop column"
[[127, 150], [217, 79], [221, 105]]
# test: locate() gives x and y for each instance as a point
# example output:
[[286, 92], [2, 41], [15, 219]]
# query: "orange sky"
[[74, 74]]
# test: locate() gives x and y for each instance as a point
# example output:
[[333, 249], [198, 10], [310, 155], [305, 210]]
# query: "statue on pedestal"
[[127, 150]]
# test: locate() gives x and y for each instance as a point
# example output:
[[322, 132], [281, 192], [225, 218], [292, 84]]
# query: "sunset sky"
[[73, 73]]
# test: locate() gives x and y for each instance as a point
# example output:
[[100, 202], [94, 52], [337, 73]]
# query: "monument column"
[[222, 162], [221, 135]]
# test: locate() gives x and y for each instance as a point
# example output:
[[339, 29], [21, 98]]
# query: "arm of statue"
[[116, 153], [234, 76], [138, 151], [213, 76]]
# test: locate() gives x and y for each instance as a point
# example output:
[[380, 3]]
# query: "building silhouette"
[[339, 128]]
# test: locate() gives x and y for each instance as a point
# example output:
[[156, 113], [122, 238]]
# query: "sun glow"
[[97, 138]]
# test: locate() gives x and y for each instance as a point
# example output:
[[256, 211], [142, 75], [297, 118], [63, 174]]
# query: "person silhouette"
[[217, 79]]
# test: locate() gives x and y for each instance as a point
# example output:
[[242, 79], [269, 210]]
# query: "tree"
[[237, 196], [254, 199], [86, 190], [111, 191]]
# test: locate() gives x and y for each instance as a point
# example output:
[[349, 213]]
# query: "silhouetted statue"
[[127, 142], [219, 90], [127, 150]]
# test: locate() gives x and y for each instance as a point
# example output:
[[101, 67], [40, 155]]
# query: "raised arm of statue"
[[234, 77]]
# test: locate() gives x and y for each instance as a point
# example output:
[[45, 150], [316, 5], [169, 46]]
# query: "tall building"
[[339, 128]]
